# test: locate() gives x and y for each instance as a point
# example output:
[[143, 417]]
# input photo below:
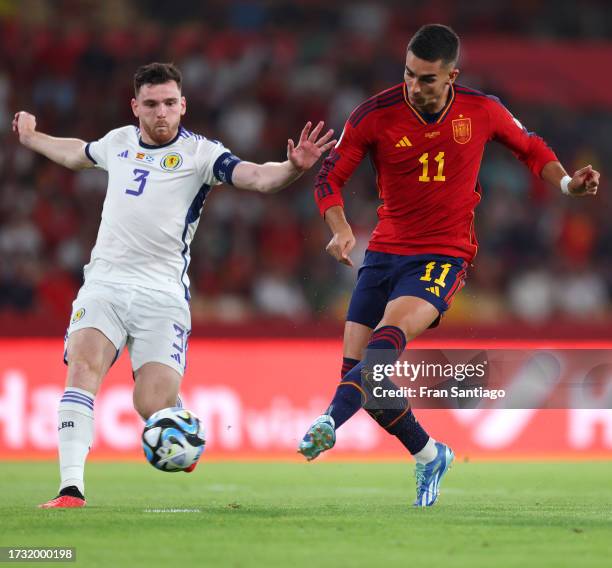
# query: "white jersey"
[[152, 207]]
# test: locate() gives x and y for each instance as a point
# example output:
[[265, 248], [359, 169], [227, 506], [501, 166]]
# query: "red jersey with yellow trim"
[[426, 167]]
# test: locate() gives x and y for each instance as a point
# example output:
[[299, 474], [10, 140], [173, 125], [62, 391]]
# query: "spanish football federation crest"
[[462, 130], [171, 161]]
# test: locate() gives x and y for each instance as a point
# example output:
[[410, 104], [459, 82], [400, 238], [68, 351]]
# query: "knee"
[[84, 373]]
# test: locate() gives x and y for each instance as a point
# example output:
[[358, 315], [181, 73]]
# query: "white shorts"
[[154, 325]]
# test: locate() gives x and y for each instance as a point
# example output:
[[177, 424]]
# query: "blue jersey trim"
[[184, 133], [473, 92], [224, 167], [193, 214], [88, 153], [322, 187], [385, 99]]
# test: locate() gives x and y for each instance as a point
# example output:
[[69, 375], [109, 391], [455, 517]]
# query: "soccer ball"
[[173, 439]]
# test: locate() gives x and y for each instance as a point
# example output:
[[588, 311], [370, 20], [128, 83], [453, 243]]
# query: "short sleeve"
[[97, 151], [215, 162]]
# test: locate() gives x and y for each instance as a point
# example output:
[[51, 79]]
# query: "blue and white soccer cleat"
[[321, 436], [429, 476]]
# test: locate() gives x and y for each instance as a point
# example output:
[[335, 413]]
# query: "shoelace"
[[419, 473]]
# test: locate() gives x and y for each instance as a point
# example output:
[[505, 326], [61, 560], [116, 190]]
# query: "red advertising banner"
[[257, 398]]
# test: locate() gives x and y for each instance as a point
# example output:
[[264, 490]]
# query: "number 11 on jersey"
[[424, 159], [140, 176]]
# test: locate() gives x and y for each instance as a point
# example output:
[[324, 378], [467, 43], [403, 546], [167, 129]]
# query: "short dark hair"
[[156, 74], [435, 41]]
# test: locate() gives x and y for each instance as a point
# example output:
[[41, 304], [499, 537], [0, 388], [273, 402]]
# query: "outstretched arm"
[[540, 159], [585, 181], [274, 176], [68, 152]]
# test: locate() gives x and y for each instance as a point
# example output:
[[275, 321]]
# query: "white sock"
[[428, 453], [76, 430]]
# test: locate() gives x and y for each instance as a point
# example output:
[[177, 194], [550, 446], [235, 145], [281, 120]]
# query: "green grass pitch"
[[321, 514]]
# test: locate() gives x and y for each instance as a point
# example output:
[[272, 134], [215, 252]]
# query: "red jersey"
[[426, 167]]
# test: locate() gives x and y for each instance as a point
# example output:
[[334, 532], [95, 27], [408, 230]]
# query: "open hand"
[[584, 182], [310, 147]]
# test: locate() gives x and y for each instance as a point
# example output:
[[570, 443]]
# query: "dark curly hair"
[[156, 74]]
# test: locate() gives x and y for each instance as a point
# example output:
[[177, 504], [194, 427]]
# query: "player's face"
[[159, 109], [428, 82]]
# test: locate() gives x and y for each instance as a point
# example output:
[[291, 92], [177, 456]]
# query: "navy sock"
[[385, 346], [348, 398], [409, 432], [393, 414], [347, 365]]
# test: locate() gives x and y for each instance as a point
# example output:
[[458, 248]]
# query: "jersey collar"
[[152, 146], [425, 118]]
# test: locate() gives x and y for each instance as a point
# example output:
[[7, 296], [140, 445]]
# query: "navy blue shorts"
[[384, 277]]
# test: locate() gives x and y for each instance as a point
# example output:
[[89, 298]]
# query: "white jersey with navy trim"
[[152, 207]]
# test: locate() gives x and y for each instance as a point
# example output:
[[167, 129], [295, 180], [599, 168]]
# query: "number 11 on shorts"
[[440, 280]]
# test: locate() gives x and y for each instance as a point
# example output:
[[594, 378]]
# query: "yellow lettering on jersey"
[[424, 160], [440, 159]]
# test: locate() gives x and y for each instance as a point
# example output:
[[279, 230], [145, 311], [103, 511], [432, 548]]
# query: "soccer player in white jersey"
[[136, 289]]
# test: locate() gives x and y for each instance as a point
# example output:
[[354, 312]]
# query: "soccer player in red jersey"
[[426, 137]]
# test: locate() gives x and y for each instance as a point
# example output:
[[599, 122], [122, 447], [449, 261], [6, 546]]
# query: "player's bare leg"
[[89, 354], [356, 337], [411, 314], [156, 386]]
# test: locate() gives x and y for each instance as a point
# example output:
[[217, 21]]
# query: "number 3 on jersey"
[[140, 176]]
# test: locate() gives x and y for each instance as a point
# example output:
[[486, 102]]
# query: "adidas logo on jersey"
[[435, 290], [123, 154], [403, 143]]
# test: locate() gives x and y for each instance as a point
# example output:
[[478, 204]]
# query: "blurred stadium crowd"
[[254, 72]]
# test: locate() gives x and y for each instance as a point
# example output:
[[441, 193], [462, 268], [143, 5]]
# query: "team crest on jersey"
[[172, 161], [462, 130], [78, 315], [145, 157]]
